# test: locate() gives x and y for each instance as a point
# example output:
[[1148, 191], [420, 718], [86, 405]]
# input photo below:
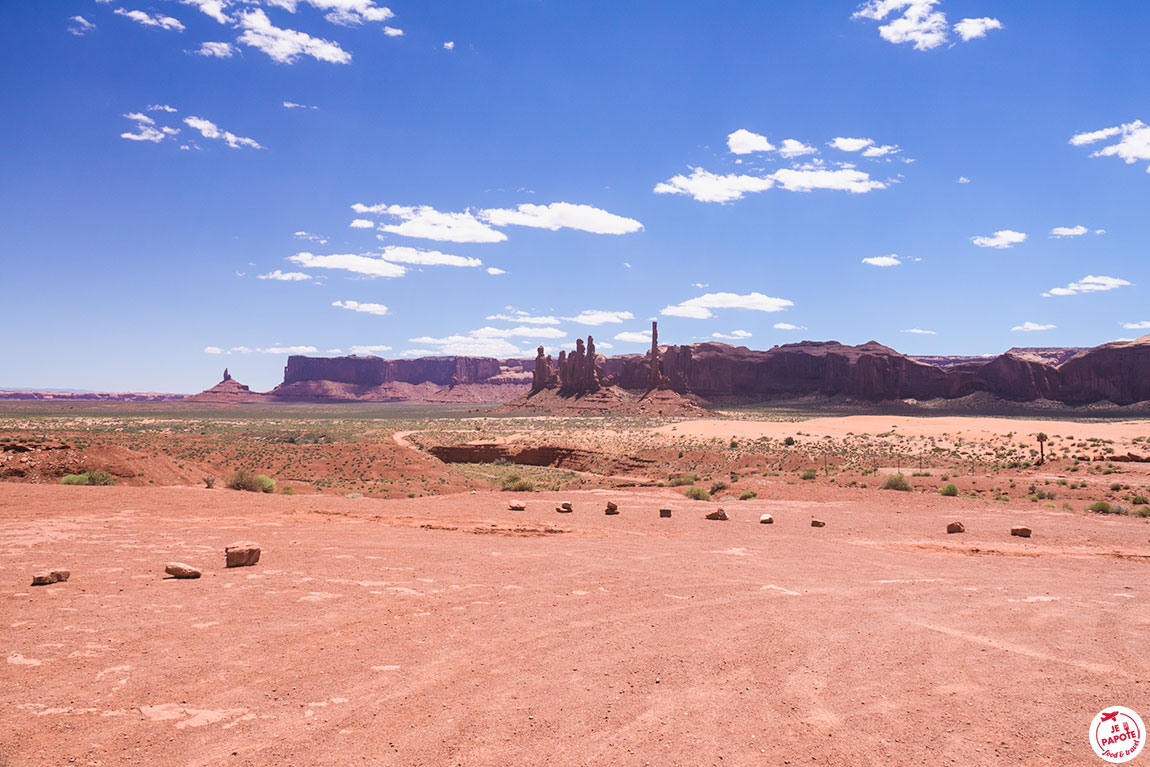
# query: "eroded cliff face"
[[1117, 371], [376, 371]]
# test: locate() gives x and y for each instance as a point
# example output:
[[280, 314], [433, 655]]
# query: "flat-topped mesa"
[[579, 371], [544, 376]]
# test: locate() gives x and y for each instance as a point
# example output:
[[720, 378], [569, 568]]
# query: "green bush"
[[686, 479], [267, 484], [789, 441], [249, 481], [1101, 507], [1115, 487], [895, 482], [808, 474], [99, 478], [697, 494], [514, 483], [209, 482], [1140, 500], [287, 490], [950, 490], [747, 495], [718, 487], [1141, 511]]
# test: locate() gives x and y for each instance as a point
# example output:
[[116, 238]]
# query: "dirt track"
[[449, 630]]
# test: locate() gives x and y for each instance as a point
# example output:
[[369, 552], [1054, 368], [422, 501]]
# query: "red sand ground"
[[451, 631]]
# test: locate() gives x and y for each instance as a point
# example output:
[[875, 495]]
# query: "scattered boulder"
[[956, 527], [180, 570], [46, 577], [566, 506], [766, 519], [718, 514], [664, 513], [612, 508], [1021, 532], [517, 506], [242, 554], [818, 523]]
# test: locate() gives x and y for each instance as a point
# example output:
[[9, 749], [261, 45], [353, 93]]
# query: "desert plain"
[[402, 614]]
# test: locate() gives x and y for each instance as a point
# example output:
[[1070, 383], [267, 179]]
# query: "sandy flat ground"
[[451, 631], [969, 427]]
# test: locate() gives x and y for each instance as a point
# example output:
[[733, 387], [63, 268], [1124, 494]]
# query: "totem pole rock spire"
[[653, 377]]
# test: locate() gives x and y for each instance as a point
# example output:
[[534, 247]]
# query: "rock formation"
[[544, 375], [654, 375], [579, 370], [227, 390]]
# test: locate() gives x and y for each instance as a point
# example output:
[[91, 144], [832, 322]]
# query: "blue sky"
[[528, 172]]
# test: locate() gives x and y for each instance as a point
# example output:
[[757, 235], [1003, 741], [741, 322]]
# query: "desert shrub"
[[895, 482], [718, 487], [696, 493], [209, 482], [74, 479], [242, 479], [747, 495], [1100, 507], [515, 483], [99, 477], [1141, 511], [287, 490], [1140, 500], [921, 474], [1115, 487], [789, 441], [686, 479], [808, 474], [267, 484], [949, 490]]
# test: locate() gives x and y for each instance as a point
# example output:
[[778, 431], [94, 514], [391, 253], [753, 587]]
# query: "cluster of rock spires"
[[578, 373]]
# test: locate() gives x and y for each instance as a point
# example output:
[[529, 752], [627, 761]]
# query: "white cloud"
[[449, 45], [1088, 284], [843, 180], [700, 307], [521, 331], [495, 270], [734, 335], [368, 265], [963, 180], [882, 151], [309, 236], [517, 316], [216, 50], [1136, 325], [210, 130], [599, 317], [147, 20], [1068, 231], [1133, 146], [425, 222], [969, 29], [634, 336], [286, 45], [350, 12], [80, 26], [145, 129], [289, 350], [792, 148], [213, 8], [393, 32], [705, 186], [1030, 327], [1003, 238], [788, 326], [469, 345], [285, 276], [558, 215], [401, 254], [920, 23], [140, 118], [850, 144], [356, 306], [161, 108], [369, 350], [744, 141], [920, 332], [213, 350], [362, 223], [293, 105], [891, 260]]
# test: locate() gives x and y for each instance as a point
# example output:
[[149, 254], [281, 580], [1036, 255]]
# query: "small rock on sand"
[[766, 519], [180, 570], [955, 527], [664, 513], [566, 506], [517, 506], [242, 554], [612, 506], [564, 509], [818, 523], [59, 576], [46, 577], [1021, 532], [718, 514]]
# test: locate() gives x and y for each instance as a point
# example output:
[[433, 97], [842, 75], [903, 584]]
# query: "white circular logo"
[[1117, 734]]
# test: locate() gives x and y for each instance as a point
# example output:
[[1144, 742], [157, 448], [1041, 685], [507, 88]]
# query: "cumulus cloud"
[[146, 129], [788, 326], [213, 8], [289, 350], [891, 260], [369, 350], [558, 215], [1088, 284], [1133, 145], [705, 186], [1068, 231], [963, 180], [1144, 325], [1003, 238], [515, 315], [920, 332], [882, 151], [842, 180], [161, 108], [356, 306], [79, 26], [734, 335], [850, 144], [209, 129], [367, 265], [425, 222], [286, 45], [148, 20], [402, 254], [970, 29], [213, 350], [634, 336], [311, 237], [793, 148], [449, 45], [485, 342], [495, 270], [599, 317], [1030, 327], [393, 32], [700, 308], [285, 276], [216, 50], [744, 141], [362, 223]]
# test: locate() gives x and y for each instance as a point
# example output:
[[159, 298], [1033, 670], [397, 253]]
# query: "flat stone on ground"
[[766, 519], [818, 523], [718, 514], [1021, 532], [242, 554], [182, 571], [517, 506]]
